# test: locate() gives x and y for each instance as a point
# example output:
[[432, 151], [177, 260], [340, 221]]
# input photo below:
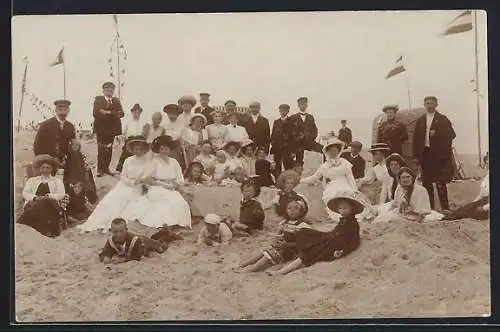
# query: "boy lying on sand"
[[124, 246], [215, 231]]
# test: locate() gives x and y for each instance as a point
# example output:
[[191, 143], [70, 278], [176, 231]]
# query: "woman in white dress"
[[135, 175], [193, 137], [163, 205], [337, 175], [217, 132], [371, 183]]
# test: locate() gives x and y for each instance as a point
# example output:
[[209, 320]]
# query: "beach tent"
[[409, 119]]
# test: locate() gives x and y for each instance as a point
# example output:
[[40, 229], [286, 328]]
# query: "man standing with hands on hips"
[[107, 113], [432, 149], [304, 131]]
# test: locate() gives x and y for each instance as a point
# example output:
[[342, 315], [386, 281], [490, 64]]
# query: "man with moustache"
[[303, 131], [432, 149], [280, 141], [107, 112], [204, 108], [54, 135], [258, 127]]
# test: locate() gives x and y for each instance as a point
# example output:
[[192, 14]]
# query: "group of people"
[[205, 147]]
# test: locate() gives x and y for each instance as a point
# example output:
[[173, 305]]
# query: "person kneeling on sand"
[[215, 231], [315, 246], [123, 246], [283, 248], [251, 212]]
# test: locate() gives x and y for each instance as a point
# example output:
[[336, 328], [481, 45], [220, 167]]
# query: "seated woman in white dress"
[[410, 203], [337, 175], [135, 175], [217, 132], [162, 205], [394, 163], [371, 183]]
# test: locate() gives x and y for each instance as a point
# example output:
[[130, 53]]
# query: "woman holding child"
[[135, 175]]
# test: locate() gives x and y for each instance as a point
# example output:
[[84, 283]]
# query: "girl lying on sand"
[[315, 246], [123, 246], [283, 248], [215, 231]]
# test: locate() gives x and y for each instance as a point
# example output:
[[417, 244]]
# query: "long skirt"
[[386, 214], [160, 207], [112, 206], [44, 215]]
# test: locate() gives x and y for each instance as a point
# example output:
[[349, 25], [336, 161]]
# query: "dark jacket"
[[440, 142], [207, 112], [281, 135], [303, 131], [107, 124], [358, 164], [252, 214], [394, 134], [134, 253], [50, 139], [345, 135], [259, 132]]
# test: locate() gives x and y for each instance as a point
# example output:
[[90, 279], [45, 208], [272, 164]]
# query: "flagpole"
[[64, 78], [408, 91], [23, 91], [477, 90]]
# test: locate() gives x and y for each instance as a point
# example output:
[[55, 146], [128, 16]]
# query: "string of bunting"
[[117, 49], [39, 105]]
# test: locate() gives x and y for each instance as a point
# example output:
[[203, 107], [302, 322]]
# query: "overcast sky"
[[338, 59]]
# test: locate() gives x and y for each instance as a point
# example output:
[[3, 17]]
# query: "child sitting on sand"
[[195, 174], [263, 168], [287, 181], [283, 248], [221, 168], [79, 207], [215, 231], [314, 246], [124, 246], [251, 212]]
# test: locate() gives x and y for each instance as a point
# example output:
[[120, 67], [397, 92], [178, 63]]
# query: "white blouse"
[[133, 127], [56, 187], [206, 161], [234, 163], [217, 135], [341, 172], [153, 133], [484, 189], [378, 172], [173, 128], [134, 168], [220, 169], [193, 137], [236, 134], [167, 170]]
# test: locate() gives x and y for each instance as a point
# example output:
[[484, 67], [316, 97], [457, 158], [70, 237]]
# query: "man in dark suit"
[[280, 140], [258, 127], [230, 108], [432, 149], [107, 112], [55, 134], [345, 134], [391, 131], [353, 156], [204, 108], [304, 131]]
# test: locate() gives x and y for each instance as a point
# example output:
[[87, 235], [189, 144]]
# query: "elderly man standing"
[[204, 108], [391, 131], [107, 112], [258, 127], [432, 149], [304, 131], [54, 134]]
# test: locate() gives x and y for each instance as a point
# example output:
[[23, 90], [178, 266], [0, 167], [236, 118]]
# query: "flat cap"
[[390, 107], [254, 104], [284, 107], [356, 144], [204, 94], [108, 85], [302, 99], [230, 102], [62, 102], [172, 108]]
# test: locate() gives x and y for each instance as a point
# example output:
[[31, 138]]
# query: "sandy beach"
[[400, 270]]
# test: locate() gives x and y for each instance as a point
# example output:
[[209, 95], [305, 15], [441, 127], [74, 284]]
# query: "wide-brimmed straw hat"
[[163, 140], [235, 144], [397, 157], [172, 108], [45, 159], [333, 141], [380, 147], [280, 182], [198, 115], [212, 219], [349, 196], [390, 107], [136, 140]]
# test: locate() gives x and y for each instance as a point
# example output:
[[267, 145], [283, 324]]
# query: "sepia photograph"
[[250, 166]]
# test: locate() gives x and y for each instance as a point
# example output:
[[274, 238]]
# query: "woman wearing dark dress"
[[314, 246], [263, 169], [77, 169], [45, 198]]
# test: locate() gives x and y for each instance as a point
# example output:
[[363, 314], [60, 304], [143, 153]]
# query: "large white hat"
[[333, 141], [212, 219]]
